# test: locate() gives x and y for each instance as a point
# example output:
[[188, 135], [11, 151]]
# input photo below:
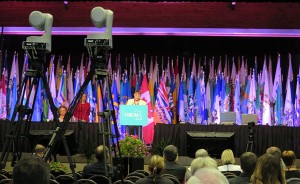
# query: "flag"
[[227, 103], [62, 93], [37, 108], [148, 130], [181, 101], [162, 108], [13, 100], [278, 106], [90, 99], [266, 112], [115, 105], [237, 106], [215, 111], [252, 96], [3, 113], [99, 106], [297, 100], [191, 113], [244, 108]]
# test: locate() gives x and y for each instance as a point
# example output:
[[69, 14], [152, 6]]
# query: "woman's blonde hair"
[[227, 157], [156, 166]]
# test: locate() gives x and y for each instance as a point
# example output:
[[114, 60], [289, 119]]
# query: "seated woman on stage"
[[289, 158], [83, 109], [156, 166], [227, 160], [62, 110]]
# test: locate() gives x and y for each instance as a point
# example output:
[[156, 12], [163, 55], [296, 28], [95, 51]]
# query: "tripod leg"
[[72, 165]]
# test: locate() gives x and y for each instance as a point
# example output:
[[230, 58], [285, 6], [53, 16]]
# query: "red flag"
[[148, 131]]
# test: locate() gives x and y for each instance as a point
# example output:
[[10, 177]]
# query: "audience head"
[[248, 162], [207, 176], [201, 153], [156, 165], [62, 110], [100, 152], [274, 151], [170, 153], [227, 157], [39, 150], [289, 157], [268, 170], [202, 162], [31, 171]]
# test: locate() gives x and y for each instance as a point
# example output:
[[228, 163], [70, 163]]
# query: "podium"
[[134, 116]]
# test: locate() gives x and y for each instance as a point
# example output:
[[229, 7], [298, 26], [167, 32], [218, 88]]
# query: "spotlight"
[[66, 3], [233, 5]]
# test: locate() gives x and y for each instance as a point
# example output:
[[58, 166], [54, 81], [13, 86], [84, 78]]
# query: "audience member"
[[289, 158], [268, 170], [98, 168], [83, 109], [277, 152], [156, 166], [199, 153], [172, 167], [31, 171], [248, 163], [227, 161], [208, 175], [39, 151]]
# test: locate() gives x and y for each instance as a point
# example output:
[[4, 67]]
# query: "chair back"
[[65, 179], [140, 175], [293, 181], [53, 181], [132, 178], [228, 174], [2, 177], [5, 181], [125, 182], [100, 179], [172, 178], [143, 172], [78, 175], [86, 181], [58, 173]]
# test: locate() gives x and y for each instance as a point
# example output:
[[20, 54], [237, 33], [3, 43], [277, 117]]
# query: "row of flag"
[[172, 96]]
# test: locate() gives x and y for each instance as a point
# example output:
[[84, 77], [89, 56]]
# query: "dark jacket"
[[241, 179], [98, 168], [158, 180], [175, 169]]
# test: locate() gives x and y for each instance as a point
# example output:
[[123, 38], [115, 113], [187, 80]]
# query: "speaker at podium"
[[134, 116], [214, 142]]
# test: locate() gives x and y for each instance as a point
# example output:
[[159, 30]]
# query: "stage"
[[286, 138]]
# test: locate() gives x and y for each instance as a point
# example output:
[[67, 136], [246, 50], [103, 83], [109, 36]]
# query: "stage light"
[[66, 4], [101, 18], [42, 22], [233, 5]]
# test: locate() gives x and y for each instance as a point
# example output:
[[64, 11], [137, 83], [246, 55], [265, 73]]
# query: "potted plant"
[[133, 149], [57, 168], [87, 149]]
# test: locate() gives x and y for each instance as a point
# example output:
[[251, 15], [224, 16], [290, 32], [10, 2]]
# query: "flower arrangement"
[[57, 166], [132, 146]]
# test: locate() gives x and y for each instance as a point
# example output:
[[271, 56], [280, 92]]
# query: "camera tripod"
[[22, 113], [250, 143]]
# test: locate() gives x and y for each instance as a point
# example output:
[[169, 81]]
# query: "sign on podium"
[[134, 115]]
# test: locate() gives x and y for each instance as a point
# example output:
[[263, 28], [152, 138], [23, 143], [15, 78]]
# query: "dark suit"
[[241, 179], [98, 168], [158, 180], [175, 169]]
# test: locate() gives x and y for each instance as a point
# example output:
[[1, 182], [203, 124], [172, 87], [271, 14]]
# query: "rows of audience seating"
[[272, 167]]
